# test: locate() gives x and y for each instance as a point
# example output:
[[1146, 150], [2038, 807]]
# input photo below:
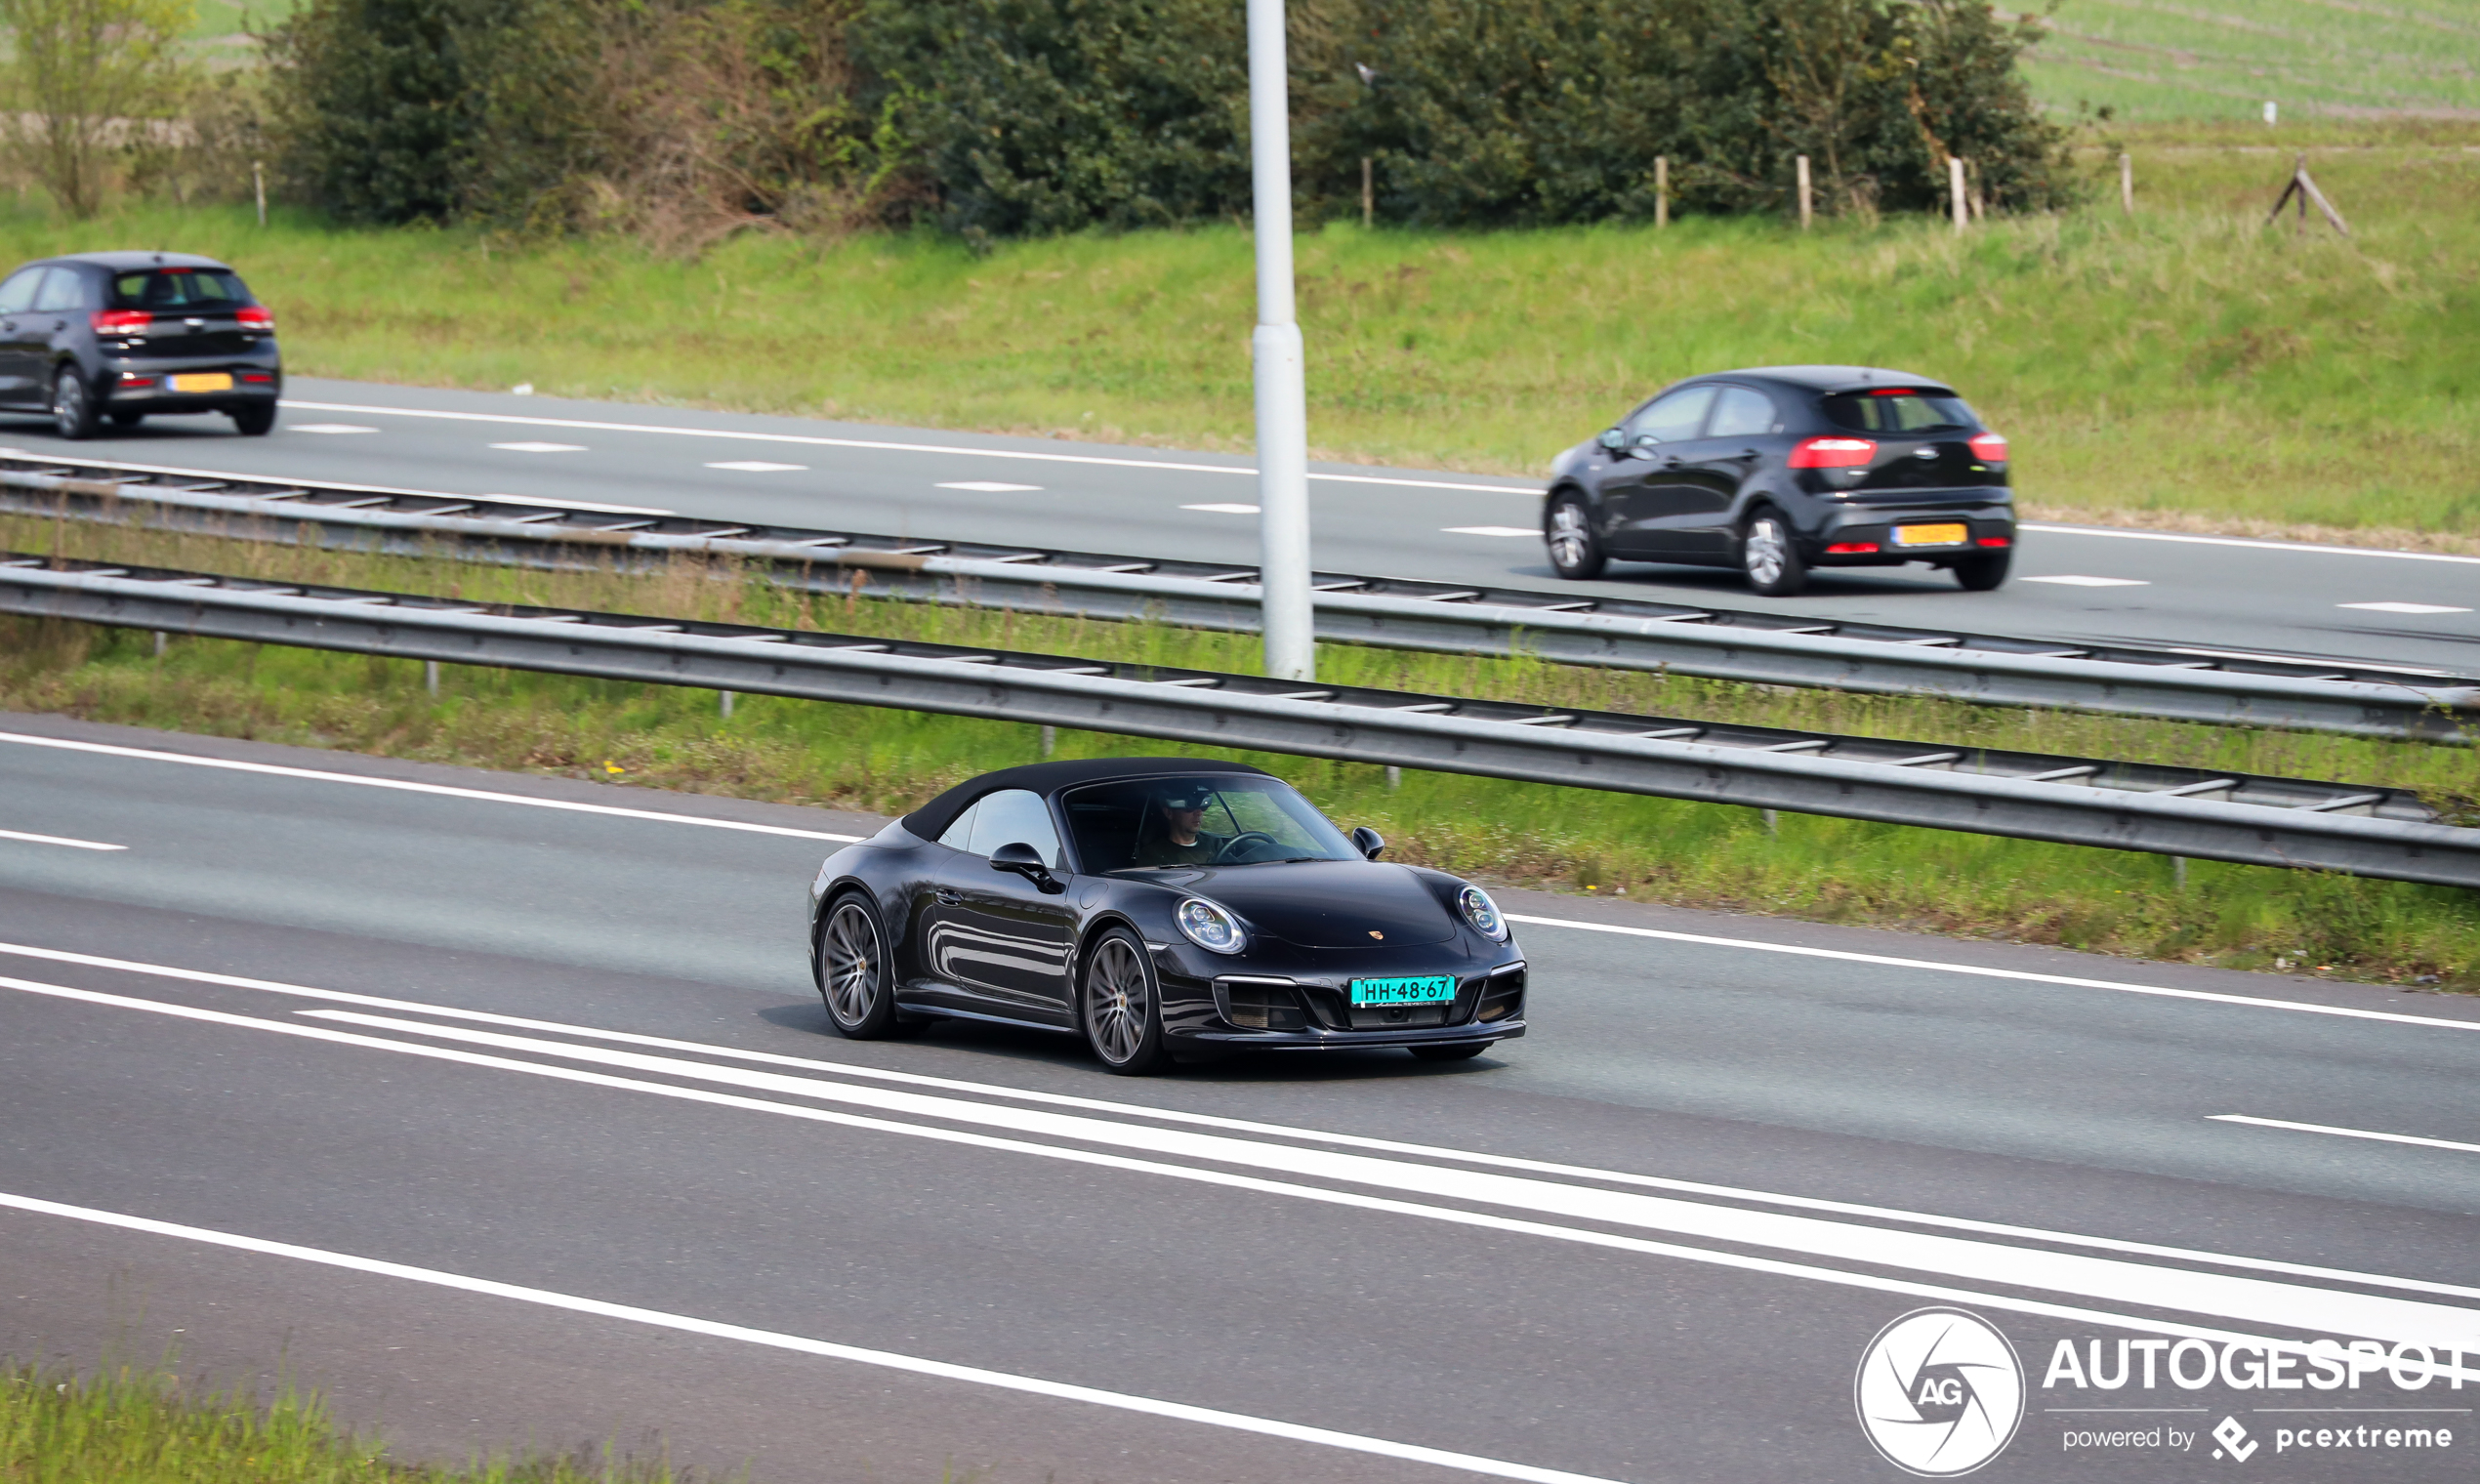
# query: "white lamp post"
[[1275, 349]]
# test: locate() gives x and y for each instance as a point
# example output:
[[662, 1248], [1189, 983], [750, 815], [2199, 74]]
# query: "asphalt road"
[[501, 1108], [2083, 584]]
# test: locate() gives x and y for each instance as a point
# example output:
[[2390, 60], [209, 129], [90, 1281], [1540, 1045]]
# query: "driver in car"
[[1181, 842]]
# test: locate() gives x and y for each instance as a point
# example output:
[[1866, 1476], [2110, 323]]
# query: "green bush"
[[683, 118]]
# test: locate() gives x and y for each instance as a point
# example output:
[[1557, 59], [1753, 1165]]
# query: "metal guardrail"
[[2181, 685], [2376, 832]]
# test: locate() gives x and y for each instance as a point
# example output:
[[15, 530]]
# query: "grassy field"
[[1577, 839], [2166, 59], [141, 1427], [2183, 365]]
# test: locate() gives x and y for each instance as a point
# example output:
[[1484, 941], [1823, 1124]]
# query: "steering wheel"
[[1223, 857]]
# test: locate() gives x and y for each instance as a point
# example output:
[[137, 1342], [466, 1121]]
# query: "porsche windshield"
[[1219, 819]]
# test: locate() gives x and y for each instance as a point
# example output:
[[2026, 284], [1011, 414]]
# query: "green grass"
[[1578, 840], [142, 1427], [2185, 365], [2170, 60]]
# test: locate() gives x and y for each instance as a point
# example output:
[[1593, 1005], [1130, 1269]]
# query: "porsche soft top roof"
[[931, 819]]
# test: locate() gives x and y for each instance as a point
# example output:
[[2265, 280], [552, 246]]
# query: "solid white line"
[[2248, 544], [1248, 1126], [827, 1349], [59, 840], [2025, 975], [945, 450], [401, 786], [2294, 1307], [2391, 1138], [367, 489], [2410, 609]]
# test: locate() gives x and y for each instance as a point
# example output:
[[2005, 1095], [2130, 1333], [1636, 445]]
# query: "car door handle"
[[1672, 462], [947, 899], [1748, 453]]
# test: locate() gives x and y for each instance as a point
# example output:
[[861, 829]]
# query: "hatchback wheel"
[[856, 976], [1121, 1008], [1574, 550], [126, 417], [1983, 574], [255, 419], [74, 411], [1768, 557]]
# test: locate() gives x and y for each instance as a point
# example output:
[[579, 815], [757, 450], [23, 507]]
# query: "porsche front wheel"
[[1121, 1005]]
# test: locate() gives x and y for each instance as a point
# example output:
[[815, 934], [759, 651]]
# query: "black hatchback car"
[[1154, 905], [127, 336], [1783, 469]]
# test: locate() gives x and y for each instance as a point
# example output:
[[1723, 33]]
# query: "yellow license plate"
[[1931, 535], [203, 381]]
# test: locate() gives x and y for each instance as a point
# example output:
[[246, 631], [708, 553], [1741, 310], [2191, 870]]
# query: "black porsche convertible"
[[1156, 904]]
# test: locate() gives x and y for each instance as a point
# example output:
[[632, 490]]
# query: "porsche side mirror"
[[1368, 842], [1613, 440], [1018, 858]]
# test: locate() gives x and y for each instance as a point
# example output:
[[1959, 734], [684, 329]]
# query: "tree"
[[88, 80]]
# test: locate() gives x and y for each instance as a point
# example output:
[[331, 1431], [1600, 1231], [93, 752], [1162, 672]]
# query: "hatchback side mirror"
[[1018, 858], [1368, 842], [1612, 440]]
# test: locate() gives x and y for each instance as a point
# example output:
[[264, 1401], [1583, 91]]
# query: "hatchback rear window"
[[1900, 410], [181, 288]]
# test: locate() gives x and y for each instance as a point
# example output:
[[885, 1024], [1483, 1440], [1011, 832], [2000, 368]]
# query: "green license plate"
[[1425, 989]]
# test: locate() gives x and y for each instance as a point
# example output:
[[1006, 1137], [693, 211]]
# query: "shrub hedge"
[[1000, 117]]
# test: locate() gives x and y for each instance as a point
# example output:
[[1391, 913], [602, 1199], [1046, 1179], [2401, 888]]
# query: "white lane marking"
[[2089, 582], [885, 445], [1243, 1126], [401, 786], [2023, 974], [2304, 659], [541, 447], [59, 840], [758, 467], [2389, 1138], [2404, 608], [1224, 509], [595, 506], [2243, 542], [993, 487], [827, 1349], [2283, 1305], [1490, 531], [327, 427]]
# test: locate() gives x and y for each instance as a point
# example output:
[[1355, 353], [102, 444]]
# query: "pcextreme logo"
[[1939, 1392]]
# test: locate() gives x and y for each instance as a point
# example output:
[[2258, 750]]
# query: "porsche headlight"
[[1482, 913], [1209, 927]]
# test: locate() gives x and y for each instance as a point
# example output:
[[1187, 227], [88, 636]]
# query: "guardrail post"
[[724, 704], [159, 643], [1049, 740], [430, 675]]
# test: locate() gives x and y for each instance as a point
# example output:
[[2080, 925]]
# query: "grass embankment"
[[2186, 363], [884, 760], [129, 1428]]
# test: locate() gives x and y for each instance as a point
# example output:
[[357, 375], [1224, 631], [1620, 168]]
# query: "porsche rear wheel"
[[855, 973], [1121, 1007]]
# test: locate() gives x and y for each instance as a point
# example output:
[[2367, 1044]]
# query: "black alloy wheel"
[[855, 973], [1768, 556], [1121, 1007], [1983, 574], [1464, 1053], [1575, 552], [255, 419], [126, 417], [73, 412]]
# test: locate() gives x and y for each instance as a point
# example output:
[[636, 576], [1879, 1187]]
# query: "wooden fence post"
[[2126, 183], [1804, 207], [1660, 191], [257, 181], [2304, 189], [1954, 188], [1368, 192]]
